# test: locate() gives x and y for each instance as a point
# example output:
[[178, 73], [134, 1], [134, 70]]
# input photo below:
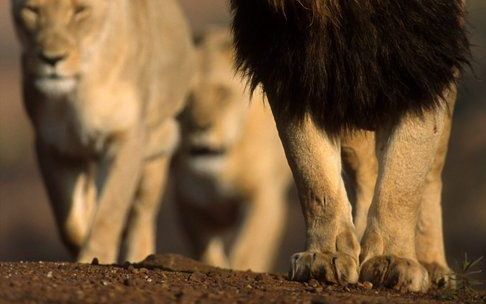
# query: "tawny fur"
[[103, 82], [231, 174], [329, 67]]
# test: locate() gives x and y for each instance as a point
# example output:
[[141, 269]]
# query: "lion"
[[102, 83], [231, 175], [375, 80]]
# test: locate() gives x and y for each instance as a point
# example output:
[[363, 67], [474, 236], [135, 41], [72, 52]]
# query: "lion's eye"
[[222, 93], [31, 9], [29, 16], [81, 11]]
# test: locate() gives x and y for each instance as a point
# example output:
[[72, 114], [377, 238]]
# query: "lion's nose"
[[51, 59]]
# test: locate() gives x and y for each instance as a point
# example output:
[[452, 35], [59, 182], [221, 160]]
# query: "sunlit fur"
[[102, 82], [331, 68], [231, 175]]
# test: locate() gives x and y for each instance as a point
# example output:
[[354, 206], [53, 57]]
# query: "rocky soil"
[[172, 278]]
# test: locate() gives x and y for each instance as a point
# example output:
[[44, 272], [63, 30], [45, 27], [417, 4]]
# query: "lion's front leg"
[[142, 223], [429, 236], [405, 153], [332, 248], [117, 179], [261, 231], [72, 193]]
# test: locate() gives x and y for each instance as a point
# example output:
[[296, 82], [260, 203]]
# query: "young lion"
[[332, 69], [231, 173], [102, 82]]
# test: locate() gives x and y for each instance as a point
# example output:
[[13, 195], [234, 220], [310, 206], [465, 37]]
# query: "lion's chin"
[[55, 86], [206, 165]]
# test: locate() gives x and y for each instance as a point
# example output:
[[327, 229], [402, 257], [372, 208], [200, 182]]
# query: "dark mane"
[[351, 64]]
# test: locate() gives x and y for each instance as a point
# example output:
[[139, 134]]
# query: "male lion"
[[102, 82], [231, 174], [332, 68]]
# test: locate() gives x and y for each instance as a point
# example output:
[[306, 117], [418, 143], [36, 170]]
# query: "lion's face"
[[217, 107], [57, 36]]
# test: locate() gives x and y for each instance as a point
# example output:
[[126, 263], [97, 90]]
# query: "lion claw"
[[338, 268], [396, 273]]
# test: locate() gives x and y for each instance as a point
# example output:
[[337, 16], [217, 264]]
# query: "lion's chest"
[[82, 127], [203, 182]]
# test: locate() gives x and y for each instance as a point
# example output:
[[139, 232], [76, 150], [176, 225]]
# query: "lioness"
[[231, 174], [102, 82], [333, 68]]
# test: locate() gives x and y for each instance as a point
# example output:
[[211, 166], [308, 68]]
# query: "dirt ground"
[[173, 278]]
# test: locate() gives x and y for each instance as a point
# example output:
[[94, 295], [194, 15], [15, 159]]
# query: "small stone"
[[127, 282], [95, 261], [197, 276], [143, 270], [367, 285], [313, 283], [104, 283], [262, 277], [132, 269], [49, 274]]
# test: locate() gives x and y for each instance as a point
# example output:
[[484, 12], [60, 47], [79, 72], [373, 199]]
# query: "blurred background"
[[27, 229]]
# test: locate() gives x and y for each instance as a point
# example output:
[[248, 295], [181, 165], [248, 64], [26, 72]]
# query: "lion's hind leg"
[[359, 160]]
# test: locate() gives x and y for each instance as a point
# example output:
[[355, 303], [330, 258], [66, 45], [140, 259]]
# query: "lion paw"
[[337, 268], [440, 276], [395, 272]]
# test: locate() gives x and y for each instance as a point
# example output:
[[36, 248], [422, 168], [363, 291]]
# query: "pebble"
[[95, 261], [127, 282], [319, 289], [49, 274], [197, 276], [367, 285], [314, 283], [132, 269]]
